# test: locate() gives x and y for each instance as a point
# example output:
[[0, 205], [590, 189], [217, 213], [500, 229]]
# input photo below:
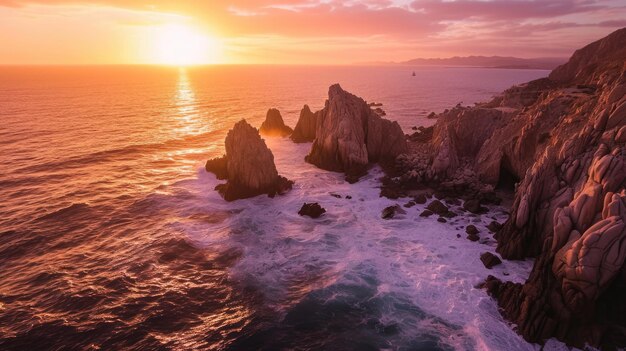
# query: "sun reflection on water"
[[189, 118]]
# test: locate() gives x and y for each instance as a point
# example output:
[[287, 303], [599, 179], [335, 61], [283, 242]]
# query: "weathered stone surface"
[[274, 125], [305, 128], [490, 260], [217, 166], [249, 166], [349, 135], [437, 207], [558, 144], [313, 210]]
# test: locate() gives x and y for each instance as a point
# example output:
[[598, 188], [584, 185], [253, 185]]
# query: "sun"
[[181, 45]]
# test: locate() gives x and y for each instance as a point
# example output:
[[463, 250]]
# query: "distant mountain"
[[548, 63]]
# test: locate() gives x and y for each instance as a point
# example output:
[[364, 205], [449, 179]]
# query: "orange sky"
[[296, 31]]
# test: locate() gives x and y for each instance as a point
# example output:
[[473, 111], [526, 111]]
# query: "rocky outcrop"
[[349, 135], [248, 166], [559, 144], [313, 210], [390, 212], [490, 260], [305, 128], [274, 125]]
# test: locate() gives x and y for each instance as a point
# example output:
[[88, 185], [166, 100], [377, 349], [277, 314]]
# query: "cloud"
[[404, 28]]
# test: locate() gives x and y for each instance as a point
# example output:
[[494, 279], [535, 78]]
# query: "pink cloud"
[[406, 28]]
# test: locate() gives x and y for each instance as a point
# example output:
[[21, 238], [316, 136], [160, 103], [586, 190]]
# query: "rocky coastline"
[[557, 145]]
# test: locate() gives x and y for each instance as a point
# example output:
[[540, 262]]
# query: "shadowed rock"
[[490, 260], [313, 210], [349, 135], [305, 128], [274, 125], [248, 166], [391, 212]]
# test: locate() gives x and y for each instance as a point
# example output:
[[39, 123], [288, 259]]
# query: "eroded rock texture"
[[559, 143], [349, 135], [305, 128], [248, 166], [274, 124]]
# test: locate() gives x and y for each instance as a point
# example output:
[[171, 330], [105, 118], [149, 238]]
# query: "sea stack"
[[274, 125], [305, 128], [349, 135], [248, 166]]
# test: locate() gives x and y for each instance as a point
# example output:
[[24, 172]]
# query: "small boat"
[[413, 73]]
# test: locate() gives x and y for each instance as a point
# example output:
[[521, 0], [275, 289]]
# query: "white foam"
[[417, 258]]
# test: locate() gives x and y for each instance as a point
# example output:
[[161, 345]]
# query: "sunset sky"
[[296, 31]]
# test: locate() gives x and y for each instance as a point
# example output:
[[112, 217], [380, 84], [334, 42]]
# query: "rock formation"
[[349, 135], [313, 210], [305, 128], [390, 212], [274, 124], [248, 166], [489, 260], [559, 143]]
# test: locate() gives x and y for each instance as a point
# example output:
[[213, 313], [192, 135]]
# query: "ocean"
[[112, 237]]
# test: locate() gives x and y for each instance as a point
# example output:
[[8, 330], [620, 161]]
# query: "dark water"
[[112, 238]]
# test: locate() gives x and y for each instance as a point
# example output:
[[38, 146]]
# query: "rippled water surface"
[[112, 238]]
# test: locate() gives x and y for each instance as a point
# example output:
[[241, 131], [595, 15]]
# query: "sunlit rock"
[[349, 135], [274, 125], [248, 166]]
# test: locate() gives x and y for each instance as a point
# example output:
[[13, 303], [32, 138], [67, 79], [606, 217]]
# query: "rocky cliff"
[[349, 135], [248, 166], [560, 144]]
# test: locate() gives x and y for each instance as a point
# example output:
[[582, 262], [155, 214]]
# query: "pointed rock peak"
[[274, 124], [248, 165], [273, 113], [335, 89]]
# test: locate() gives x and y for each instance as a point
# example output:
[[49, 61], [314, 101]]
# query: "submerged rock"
[[391, 211], [248, 166], [313, 210], [349, 135], [274, 124]]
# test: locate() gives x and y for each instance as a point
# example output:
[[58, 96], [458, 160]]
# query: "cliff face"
[[248, 166], [305, 128], [349, 135], [569, 206], [563, 140]]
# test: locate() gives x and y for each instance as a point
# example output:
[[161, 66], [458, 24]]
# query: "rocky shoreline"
[[558, 144]]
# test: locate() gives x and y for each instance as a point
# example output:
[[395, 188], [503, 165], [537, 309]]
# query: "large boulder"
[[274, 124], [305, 128], [349, 135], [248, 166]]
